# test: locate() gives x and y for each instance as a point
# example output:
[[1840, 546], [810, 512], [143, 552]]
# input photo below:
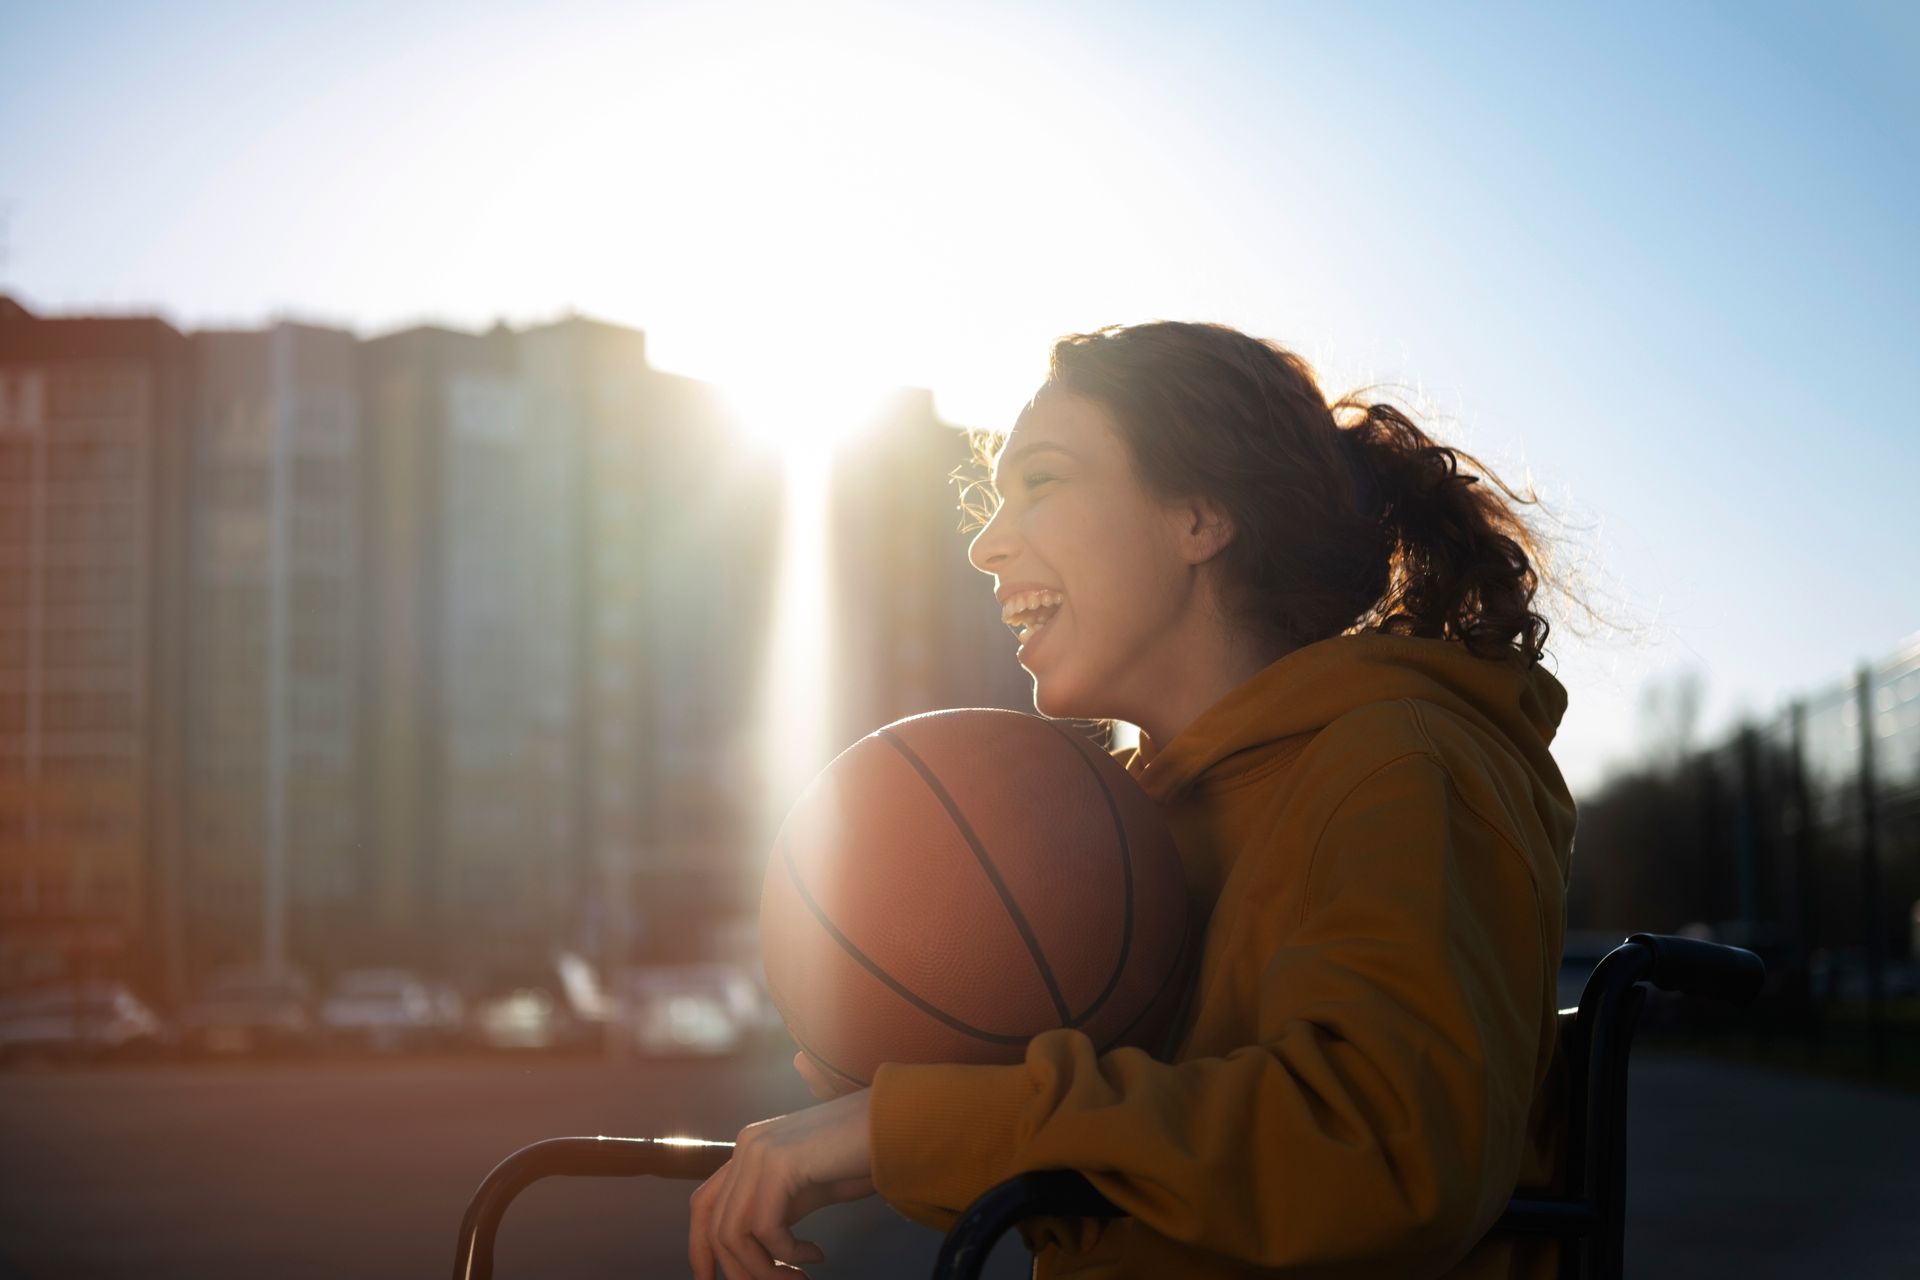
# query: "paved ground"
[[1753, 1173], [361, 1170]]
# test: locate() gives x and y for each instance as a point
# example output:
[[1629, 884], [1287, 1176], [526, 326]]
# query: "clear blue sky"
[[1659, 257]]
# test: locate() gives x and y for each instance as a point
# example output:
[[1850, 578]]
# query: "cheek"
[[1069, 529], [1051, 539]]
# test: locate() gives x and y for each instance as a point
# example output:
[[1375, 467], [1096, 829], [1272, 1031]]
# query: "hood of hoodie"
[[1280, 707]]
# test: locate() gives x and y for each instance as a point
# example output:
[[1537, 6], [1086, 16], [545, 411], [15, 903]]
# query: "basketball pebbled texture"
[[958, 882]]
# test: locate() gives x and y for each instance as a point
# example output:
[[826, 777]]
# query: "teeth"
[[1023, 609]]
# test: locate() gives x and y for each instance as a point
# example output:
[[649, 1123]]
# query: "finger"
[[787, 1247], [823, 1084], [745, 1258], [768, 1215], [740, 1253], [752, 1235], [826, 1082], [806, 1073], [700, 1252], [759, 1262], [716, 1234]]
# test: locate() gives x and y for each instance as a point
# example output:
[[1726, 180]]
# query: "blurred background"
[[464, 468]]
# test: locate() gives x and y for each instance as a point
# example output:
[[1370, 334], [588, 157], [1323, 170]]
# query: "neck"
[[1200, 675]]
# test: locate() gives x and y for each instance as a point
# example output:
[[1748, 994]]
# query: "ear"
[[1203, 527]]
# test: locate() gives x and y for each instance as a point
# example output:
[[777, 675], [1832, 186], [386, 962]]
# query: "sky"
[[1656, 260]]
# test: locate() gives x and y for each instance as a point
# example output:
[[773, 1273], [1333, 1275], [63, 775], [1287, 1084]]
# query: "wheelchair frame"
[[1588, 1216]]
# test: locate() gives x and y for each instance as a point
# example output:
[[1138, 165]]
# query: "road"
[[362, 1169]]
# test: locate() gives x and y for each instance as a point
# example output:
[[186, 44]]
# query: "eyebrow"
[[1037, 446]]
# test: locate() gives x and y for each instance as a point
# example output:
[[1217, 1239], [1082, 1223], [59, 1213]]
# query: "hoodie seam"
[[1500, 833], [1420, 725], [1257, 773], [1313, 858]]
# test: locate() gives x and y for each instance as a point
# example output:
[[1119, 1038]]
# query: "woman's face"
[[1077, 534]]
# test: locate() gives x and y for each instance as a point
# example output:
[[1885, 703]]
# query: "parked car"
[[385, 1010], [449, 1013], [244, 1011], [559, 1006], [526, 1018], [711, 1008], [87, 1021]]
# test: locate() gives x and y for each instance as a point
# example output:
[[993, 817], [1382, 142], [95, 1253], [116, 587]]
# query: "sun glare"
[[799, 411], [799, 680], [806, 414]]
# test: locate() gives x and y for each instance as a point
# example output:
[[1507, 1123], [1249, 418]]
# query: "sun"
[[802, 412], [805, 415]]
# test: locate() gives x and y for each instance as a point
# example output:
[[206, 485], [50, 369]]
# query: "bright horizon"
[[1657, 262]]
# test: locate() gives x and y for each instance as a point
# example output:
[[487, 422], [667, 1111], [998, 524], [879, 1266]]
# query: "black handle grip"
[[1702, 968]]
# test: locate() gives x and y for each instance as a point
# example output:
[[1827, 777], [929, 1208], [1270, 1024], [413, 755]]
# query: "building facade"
[[466, 721], [272, 867], [93, 643], [438, 649]]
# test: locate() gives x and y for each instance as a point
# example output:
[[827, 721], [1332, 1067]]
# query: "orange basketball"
[[956, 883]]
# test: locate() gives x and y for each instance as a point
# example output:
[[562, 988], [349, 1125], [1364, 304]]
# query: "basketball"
[[956, 883]]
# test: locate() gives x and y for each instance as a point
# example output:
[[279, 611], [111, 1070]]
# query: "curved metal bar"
[[1062, 1193], [1711, 969], [1548, 1218], [1619, 971], [597, 1157]]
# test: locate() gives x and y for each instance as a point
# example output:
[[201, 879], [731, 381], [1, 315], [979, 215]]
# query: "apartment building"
[[468, 529], [439, 649], [273, 872], [93, 569], [674, 525]]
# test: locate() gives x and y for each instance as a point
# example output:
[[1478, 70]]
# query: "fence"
[[1799, 835]]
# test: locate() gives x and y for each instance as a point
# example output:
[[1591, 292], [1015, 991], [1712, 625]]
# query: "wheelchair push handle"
[[598, 1157], [1696, 968], [1055, 1192]]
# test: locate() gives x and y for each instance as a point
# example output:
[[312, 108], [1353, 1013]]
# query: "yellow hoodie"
[[1377, 841]]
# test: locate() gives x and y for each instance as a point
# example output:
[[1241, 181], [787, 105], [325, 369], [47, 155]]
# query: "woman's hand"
[[781, 1171], [826, 1085]]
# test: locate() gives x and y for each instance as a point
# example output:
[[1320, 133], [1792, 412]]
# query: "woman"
[[1325, 631]]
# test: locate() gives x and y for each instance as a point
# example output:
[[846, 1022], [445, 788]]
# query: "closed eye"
[[1037, 479]]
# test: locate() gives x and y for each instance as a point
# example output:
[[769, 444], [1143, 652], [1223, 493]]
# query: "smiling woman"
[[1323, 623], [1101, 573]]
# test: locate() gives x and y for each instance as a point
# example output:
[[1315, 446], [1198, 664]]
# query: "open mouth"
[[1029, 613]]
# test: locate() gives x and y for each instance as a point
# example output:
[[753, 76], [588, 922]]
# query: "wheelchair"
[[1587, 1216]]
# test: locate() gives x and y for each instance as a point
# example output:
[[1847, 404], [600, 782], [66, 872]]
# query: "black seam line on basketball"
[[993, 872], [1082, 748], [893, 984], [1182, 962]]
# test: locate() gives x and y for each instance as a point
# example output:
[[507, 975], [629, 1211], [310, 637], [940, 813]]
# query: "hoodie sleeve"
[[1376, 1116]]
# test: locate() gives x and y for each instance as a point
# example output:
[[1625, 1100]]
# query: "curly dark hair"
[[1348, 517]]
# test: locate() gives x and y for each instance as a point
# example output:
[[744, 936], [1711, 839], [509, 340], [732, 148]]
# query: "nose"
[[988, 550]]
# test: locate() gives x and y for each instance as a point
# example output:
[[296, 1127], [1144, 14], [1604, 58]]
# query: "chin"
[[1056, 702]]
